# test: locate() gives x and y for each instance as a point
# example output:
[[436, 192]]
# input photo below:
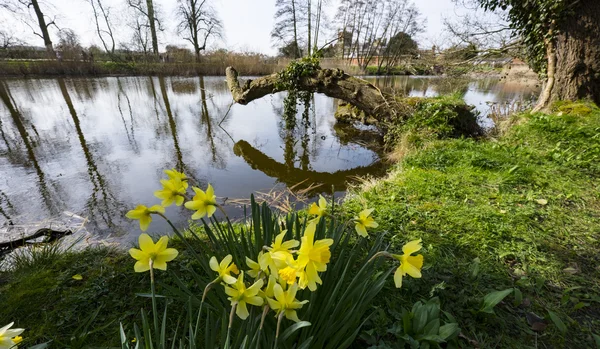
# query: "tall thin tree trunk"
[[152, 22], [295, 29], [43, 28], [309, 26]]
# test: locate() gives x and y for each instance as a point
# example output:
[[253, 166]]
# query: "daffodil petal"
[[146, 243], [242, 310], [141, 267], [159, 264], [210, 210], [225, 262], [161, 244], [167, 255], [200, 213], [255, 300], [361, 230], [412, 247], [416, 261], [213, 264], [292, 315], [398, 278], [322, 202], [228, 279]]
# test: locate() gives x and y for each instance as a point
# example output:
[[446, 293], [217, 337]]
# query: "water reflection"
[[25, 138], [97, 147]]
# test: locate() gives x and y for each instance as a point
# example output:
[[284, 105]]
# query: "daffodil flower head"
[[224, 269], [267, 292], [285, 302], [280, 250], [313, 257], [204, 203], [242, 296], [150, 253], [142, 213], [10, 338], [364, 221], [410, 265], [320, 210], [173, 191], [177, 176]]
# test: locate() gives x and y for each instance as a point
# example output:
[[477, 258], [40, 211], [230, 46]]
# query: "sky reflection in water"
[[97, 147]]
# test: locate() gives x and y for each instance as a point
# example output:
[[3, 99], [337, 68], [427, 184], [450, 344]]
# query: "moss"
[[427, 119]]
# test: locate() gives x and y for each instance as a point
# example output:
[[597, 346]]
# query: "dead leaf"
[[542, 202]]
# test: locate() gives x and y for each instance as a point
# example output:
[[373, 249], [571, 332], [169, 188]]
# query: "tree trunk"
[[152, 22], [44, 29], [578, 55], [333, 83]]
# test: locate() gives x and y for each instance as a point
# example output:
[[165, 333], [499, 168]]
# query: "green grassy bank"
[[519, 211]]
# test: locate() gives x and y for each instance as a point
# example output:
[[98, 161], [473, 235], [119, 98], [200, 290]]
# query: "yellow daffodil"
[[205, 204], [320, 210], [142, 213], [278, 253], [257, 267], [241, 296], [177, 176], [224, 269], [158, 254], [173, 191], [10, 338], [313, 256], [364, 221], [267, 292], [285, 302], [288, 274], [410, 265]]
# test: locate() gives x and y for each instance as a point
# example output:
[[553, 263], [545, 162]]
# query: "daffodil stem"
[[154, 307], [175, 230], [206, 289], [279, 318], [231, 317], [379, 254], [222, 210]]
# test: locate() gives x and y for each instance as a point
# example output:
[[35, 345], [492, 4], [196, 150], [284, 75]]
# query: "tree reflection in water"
[[16, 117]]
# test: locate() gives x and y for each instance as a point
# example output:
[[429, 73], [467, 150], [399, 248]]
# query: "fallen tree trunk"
[[49, 234], [330, 82]]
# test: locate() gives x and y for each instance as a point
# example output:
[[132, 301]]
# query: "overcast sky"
[[247, 23]]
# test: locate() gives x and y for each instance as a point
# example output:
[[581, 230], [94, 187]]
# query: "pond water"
[[98, 146]]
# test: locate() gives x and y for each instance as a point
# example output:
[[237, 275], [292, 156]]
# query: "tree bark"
[[578, 55], [331, 82]]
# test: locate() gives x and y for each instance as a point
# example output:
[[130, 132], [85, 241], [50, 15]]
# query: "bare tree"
[[199, 22], [103, 25], [372, 24], [141, 33], [24, 7], [8, 39], [286, 32], [146, 9]]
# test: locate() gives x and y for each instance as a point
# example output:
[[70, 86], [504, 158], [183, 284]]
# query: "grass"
[[522, 211], [519, 212]]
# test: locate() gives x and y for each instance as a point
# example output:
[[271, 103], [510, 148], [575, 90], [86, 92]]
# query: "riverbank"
[[516, 211], [72, 68]]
